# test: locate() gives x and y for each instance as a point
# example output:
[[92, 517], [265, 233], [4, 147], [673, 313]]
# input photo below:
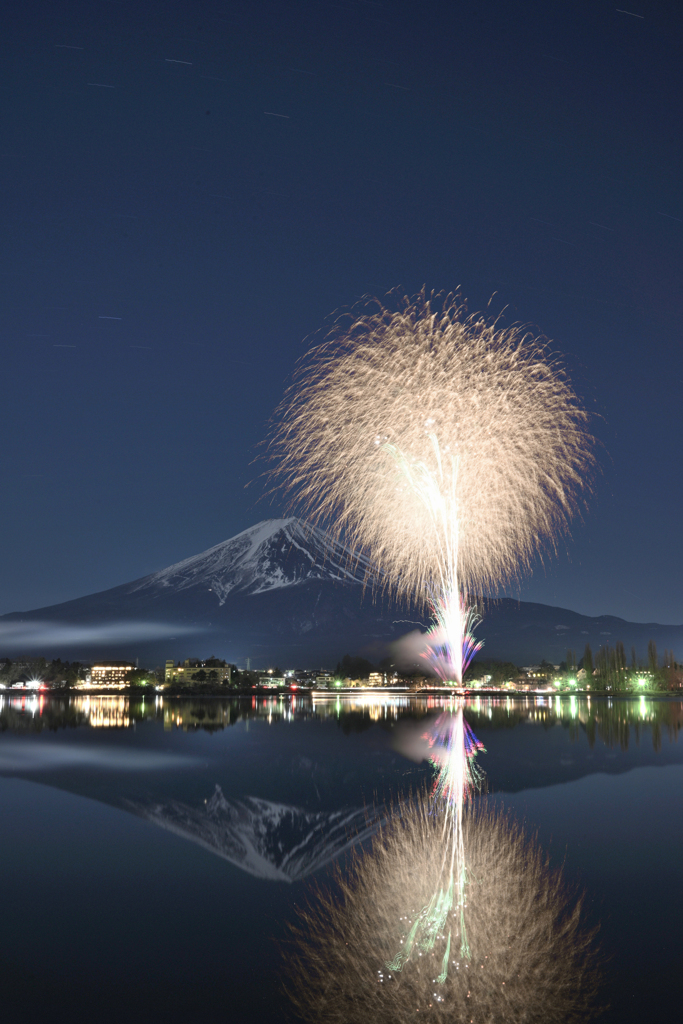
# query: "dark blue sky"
[[190, 188]]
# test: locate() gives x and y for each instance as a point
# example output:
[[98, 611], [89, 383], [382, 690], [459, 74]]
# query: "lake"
[[153, 851]]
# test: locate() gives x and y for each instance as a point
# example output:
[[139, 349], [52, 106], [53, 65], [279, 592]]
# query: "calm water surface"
[[152, 852]]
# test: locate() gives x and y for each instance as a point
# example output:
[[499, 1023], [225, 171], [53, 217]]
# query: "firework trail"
[[445, 447]]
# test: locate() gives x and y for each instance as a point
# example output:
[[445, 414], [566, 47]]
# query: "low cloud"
[[44, 634]]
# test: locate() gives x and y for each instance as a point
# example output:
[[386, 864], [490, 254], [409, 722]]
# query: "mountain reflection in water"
[[612, 721], [313, 778], [266, 839]]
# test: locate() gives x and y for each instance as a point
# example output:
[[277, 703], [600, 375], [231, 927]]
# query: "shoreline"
[[142, 693]]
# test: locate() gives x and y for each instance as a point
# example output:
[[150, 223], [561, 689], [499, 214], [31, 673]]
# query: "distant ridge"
[[285, 592]]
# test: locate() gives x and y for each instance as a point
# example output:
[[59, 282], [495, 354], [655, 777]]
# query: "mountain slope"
[[273, 554], [280, 590]]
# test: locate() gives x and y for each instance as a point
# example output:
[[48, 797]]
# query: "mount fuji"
[[284, 592]]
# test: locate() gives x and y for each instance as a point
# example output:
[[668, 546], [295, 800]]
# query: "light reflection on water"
[[614, 722], [265, 787]]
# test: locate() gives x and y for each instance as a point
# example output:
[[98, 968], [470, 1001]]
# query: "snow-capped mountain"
[[273, 554], [269, 840], [284, 592]]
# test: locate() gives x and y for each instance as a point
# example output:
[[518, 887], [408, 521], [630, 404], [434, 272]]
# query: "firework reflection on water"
[[533, 960], [451, 746]]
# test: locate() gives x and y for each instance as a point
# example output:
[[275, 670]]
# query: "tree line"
[[54, 673], [609, 669]]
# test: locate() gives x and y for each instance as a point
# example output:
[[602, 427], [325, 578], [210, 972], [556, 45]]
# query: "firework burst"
[[447, 448]]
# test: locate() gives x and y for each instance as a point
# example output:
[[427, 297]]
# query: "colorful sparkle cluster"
[[452, 750], [450, 642]]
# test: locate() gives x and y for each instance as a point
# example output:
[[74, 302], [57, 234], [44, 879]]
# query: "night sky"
[[190, 188]]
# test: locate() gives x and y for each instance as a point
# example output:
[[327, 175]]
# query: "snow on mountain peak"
[[273, 554]]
